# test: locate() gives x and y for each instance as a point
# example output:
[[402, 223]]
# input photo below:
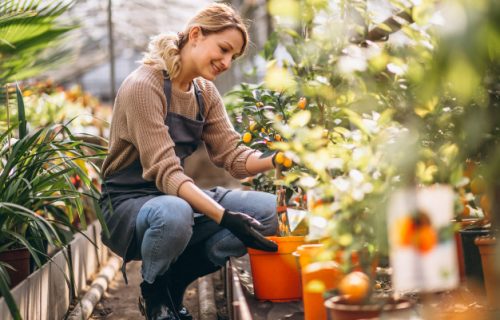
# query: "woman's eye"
[[224, 50]]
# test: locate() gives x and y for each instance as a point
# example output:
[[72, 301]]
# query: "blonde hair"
[[164, 49]]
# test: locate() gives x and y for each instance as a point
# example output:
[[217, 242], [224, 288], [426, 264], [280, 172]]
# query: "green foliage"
[[27, 30], [407, 111]]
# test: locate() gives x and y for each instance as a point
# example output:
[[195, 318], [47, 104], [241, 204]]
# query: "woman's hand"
[[247, 230]]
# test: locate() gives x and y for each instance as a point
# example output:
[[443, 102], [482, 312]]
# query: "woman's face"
[[213, 53]]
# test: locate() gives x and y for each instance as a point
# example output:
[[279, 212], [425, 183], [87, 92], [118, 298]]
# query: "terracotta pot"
[[338, 309], [486, 245], [276, 275], [472, 258], [19, 259]]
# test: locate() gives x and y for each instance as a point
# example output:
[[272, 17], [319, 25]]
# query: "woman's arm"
[[200, 201], [255, 164]]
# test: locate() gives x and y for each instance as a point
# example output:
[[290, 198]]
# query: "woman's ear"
[[195, 35]]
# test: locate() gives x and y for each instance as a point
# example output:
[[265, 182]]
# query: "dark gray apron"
[[125, 192]]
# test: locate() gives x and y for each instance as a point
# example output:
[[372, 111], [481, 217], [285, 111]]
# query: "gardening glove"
[[247, 230]]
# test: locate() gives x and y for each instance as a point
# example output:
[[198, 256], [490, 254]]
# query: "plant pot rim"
[[338, 303], [476, 229], [286, 238], [485, 240]]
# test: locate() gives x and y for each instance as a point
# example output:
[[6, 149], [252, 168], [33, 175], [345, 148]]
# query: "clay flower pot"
[[486, 245], [338, 309], [19, 259], [276, 275]]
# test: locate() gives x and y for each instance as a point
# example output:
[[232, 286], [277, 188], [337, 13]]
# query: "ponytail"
[[164, 53]]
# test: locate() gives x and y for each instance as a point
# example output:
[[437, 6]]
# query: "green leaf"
[[23, 131]]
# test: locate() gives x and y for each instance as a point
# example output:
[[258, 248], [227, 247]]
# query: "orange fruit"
[[302, 103], [280, 158], [405, 229], [355, 287], [247, 137], [287, 163], [277, 137], [477, 185], [425, 238]]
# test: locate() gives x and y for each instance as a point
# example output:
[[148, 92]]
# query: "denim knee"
[[164, 227], [168, 210], [266, 214]]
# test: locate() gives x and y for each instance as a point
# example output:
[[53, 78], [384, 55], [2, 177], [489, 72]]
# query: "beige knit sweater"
[[138, 130]]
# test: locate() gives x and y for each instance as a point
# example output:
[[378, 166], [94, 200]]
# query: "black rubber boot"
[[191, 264], [152, 302]]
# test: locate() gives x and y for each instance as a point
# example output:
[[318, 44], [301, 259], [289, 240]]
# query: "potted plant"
[[38, 200], [257, 108]]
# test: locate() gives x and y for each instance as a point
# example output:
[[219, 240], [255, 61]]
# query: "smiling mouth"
[[216, 69]]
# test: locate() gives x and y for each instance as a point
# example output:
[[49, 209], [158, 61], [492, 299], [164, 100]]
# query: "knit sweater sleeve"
[[221, 138], [145, 114]]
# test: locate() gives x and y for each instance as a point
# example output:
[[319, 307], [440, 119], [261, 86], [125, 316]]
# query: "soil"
[[120, 300]]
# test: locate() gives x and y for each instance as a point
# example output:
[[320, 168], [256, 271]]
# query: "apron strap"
[[167, 89], [201, 105]]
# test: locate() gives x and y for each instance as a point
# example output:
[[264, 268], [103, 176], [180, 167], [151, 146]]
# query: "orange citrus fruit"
[[355, 287], [302, 103], [425, 238], [406, 230], [247, 137], [287, 163], [280, 158]]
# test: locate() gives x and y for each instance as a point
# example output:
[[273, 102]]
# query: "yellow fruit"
[[259, 104], [477, 185], [355, 287], [280, 158], [247, 137], [287, 163], [302, 103]]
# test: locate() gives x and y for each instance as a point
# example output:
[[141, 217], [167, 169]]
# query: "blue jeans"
[[165, 224]]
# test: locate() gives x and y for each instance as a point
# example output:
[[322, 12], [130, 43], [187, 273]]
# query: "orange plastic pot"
[[276, 275], [318, 277], [306, 253]]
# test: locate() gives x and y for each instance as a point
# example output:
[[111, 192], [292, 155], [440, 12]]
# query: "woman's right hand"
[[247, 229]]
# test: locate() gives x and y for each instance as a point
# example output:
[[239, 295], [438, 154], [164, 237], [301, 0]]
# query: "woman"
[[155, 212]]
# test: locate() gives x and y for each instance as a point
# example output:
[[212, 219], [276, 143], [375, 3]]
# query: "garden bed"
[[45, 294]]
